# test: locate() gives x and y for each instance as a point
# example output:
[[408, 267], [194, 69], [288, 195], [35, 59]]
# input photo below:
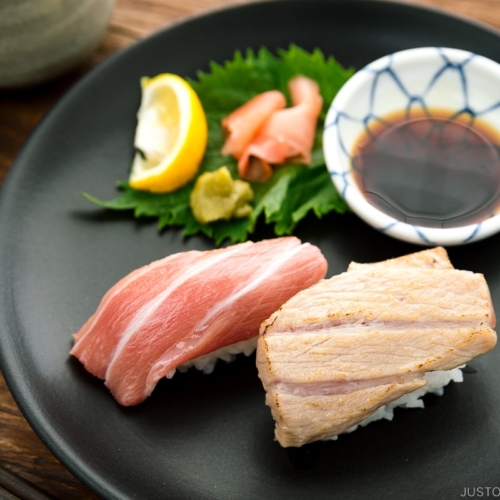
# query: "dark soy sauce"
[[429, 170]]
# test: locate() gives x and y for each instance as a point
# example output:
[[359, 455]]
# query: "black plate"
[[198, 436]]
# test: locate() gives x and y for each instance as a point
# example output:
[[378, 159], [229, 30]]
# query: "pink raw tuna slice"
[[187, 305]]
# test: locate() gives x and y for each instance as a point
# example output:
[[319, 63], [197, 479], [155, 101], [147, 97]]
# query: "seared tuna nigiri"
[[188, 305], [337, 352], [433, 258]]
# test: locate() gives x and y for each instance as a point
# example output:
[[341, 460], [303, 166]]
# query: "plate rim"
[[12, 374]]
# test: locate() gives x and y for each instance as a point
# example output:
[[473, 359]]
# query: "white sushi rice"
[[206, 363], [436, 381]]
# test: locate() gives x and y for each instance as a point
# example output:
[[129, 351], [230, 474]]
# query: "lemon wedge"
[[171, 135]]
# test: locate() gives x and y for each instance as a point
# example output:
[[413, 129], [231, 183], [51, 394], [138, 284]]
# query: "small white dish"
[[464, 83]]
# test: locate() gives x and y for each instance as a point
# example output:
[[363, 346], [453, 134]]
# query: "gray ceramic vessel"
[[40, 39]]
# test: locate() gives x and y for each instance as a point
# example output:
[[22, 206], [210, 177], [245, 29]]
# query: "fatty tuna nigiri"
[[177, 309]]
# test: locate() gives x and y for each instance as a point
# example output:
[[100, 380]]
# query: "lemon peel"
[[171, 135]]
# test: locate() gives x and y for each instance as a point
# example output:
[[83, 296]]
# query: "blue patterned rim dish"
[[428, 77]]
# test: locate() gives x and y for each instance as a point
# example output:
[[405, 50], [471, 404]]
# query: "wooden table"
[[21, 451]]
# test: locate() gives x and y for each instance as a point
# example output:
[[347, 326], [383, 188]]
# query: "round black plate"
[[211, 437]]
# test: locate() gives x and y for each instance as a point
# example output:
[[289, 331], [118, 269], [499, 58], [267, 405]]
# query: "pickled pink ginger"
[[188, 305], [262, 133]]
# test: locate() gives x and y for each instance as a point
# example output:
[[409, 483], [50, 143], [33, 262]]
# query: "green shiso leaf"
[[293, 191]]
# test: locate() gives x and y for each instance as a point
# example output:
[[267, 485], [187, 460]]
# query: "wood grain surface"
[[21, 451]]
